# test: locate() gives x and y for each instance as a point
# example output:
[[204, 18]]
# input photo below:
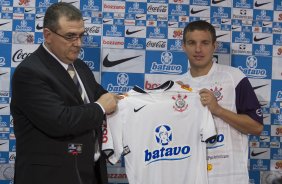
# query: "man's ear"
[[47, 35], [183, 46], [215, 45]]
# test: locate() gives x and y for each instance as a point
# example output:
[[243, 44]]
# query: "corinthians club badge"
[[180, 104]]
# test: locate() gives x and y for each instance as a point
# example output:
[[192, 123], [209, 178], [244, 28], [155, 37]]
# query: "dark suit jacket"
[[49, 114]]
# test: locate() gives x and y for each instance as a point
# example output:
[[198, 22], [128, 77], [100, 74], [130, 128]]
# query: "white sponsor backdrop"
[[138, 42]]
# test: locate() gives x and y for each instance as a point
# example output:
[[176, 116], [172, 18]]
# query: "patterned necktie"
[[73, 75]]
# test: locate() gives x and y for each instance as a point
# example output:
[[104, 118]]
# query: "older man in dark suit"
[[57, 115]]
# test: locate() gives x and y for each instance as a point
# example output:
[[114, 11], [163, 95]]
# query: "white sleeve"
[[208, 126], [115, 123], [107, 141]]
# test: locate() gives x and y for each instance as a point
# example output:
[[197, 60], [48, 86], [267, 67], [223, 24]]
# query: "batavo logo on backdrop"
[[251, 70], [122, 81], [135, 8], [163, 137], [90, 5], [88, 58], [4, 38], [178, 9], [175, 45], [166, 66], [134, 44]]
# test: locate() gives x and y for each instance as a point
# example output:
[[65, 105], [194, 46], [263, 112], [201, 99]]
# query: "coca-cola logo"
[[93, 29], [157, 9], [159, 44], [19, 56]]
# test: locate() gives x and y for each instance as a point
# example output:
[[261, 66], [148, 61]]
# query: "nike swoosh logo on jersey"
[[260, 4], [132, 32], [253, 154], [257, 87], [108, 63], [197, 11], [221, 35], [259, 39], [216, 2], [38, 27], [136, 110], [3, 143], [3, 73], [2, 24]]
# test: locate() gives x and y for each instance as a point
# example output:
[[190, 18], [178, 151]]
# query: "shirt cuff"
[[100, 106]]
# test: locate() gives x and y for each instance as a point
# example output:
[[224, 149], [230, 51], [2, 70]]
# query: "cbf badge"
[[180, 103], [74, 148]]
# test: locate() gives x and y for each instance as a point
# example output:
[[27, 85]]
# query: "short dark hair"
[[199, 25], [58, 10]]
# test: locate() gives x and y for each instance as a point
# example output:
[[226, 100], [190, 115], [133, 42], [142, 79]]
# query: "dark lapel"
[[58, 71]]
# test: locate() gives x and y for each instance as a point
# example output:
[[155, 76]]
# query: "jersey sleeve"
[[247, 102], [208, 129], [115, 123], [107, 144]]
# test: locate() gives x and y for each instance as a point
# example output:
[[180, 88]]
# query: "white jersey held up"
[[228, 155], [162, 135]]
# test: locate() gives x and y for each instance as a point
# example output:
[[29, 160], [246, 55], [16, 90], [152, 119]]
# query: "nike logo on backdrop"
[[2, 24], [253, 154], [132, 32], [3, 107], [216, 2], [38, 27], [265, 116], [224, 21], [108, 63], [72, 2], [235, 28], [26, 11], [262, 139], [221, 35], [3, 143], [265, 24], [38, 17], [136, 110], [260, 4], [257, 87], [139, 17], [3, 73], [171, 24], [259, 39], [105, 21], [197, 11]]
